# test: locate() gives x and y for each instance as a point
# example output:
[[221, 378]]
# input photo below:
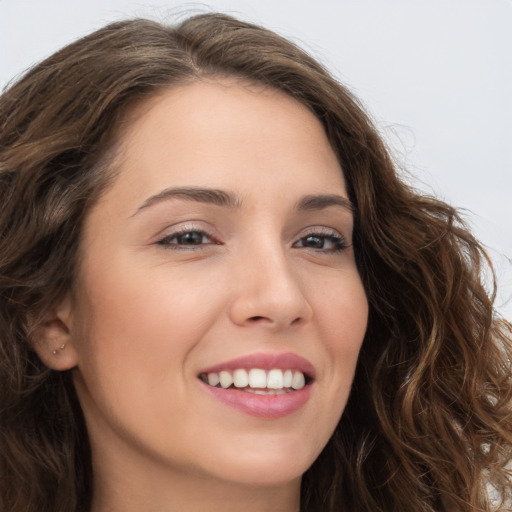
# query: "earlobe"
[[52, 339], [56, 351]]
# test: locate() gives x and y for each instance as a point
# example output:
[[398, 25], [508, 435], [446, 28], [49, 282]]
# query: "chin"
[[266, 466]]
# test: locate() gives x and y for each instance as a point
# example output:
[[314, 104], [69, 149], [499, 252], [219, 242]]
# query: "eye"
[[327, 242], [186, 239]]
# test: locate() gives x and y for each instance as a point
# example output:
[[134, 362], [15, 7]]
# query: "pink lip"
[[287, 361], [263, 406]]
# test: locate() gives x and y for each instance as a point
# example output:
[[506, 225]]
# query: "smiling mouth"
[[258, 381]]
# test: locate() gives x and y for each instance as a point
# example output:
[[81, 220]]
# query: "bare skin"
[[172, 282]]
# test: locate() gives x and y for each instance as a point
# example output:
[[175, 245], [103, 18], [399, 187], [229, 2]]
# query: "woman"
[[218, 294]]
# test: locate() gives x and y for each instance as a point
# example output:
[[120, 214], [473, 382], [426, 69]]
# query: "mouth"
[[263, 385], [276, 381]]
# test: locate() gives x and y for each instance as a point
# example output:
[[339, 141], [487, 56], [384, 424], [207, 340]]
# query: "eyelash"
[[338, 242], [166, 240]]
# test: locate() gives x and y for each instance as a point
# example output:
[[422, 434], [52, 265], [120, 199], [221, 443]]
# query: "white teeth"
[[298, 381], [257, 380], [213, 379], [225, 379], [240, 378], [267, 391], [275, 379]]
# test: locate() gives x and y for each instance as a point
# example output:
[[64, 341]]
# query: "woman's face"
[[223, 250]]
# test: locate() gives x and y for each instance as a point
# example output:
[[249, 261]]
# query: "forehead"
[[224, 133]]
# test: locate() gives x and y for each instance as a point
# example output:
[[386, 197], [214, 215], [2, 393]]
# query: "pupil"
[[315, 242], [192, 238]]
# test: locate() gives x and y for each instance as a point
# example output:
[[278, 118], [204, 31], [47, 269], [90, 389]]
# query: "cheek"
[[342, 316], [139, 330], [139, 303], [141, 325], [341, 309]]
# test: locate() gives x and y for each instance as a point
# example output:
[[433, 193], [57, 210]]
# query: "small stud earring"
[[55, 352]]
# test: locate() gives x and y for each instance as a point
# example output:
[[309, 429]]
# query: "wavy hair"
[[428, 425]]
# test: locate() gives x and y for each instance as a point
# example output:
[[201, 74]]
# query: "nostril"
[[262, 318]]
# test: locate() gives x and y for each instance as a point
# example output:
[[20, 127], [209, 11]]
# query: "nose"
[[268, 292]]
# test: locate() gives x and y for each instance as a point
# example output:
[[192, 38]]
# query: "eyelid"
[[326, 233], [183, 228], [163, 239], [321, 230]]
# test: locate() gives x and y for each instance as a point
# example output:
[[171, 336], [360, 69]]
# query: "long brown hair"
[[428, 426]]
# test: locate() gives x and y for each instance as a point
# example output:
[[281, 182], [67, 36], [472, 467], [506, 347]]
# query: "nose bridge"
[[268, 289]]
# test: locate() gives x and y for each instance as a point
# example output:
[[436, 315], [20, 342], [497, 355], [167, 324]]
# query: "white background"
[[435, 74]]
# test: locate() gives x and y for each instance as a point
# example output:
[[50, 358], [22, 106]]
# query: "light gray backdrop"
[[435, 74]]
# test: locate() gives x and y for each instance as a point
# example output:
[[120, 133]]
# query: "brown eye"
[[186, 239], [315, 242], [322, 242], [190, 238]]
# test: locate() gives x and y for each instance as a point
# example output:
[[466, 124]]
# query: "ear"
[[52, 338]]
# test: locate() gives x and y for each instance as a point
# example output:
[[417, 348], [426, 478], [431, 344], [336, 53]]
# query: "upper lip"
[[266, 361]]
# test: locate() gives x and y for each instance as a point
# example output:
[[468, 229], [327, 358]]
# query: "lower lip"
[[262, 406]]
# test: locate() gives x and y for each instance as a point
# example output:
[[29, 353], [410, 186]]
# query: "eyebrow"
[[321, 201], [200, 195], [228, 200]]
